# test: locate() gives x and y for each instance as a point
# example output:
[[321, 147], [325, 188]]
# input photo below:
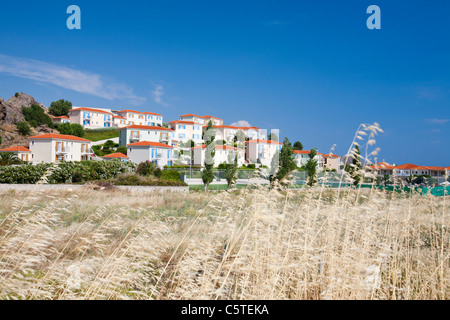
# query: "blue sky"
[[309, 68]]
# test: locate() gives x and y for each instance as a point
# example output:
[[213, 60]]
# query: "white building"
[[22, 153], [187, 130], [262, 151], [221, 155], [203, 120], [91, 118], [60, 119], [159, 153], [227, 133], [136, 133], [53, 148], [132, 117]]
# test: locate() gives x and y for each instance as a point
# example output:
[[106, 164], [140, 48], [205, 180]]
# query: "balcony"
[[135, 138], [62, 150]]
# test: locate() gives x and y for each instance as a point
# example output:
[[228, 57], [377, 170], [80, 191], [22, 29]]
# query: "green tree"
[[209, 135], [36, 116], [355, 168], [73, 129], [60, 108], [298, 145], [9, 158], [311, 168], [23, 128], [122, 149], [287, 163], [231, 169]]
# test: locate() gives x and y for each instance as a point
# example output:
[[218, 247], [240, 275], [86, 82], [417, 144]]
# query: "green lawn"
[[101, 134]]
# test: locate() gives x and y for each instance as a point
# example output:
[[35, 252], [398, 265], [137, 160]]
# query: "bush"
[[251, 166], [137, 180], [122, 149], [66, 172], [73, 129], [16, 95], [171, 175], [146, 168], [36, 116], [23, 128]]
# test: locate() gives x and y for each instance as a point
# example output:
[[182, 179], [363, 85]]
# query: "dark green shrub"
[[60, 108], [122, 149], [16, 95], [172, 175], [251, 166], [23, 128], [36, 116], [146, 168]]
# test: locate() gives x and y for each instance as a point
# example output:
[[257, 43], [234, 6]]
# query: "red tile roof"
[[15, 149], [206, 117], [135, 126], [407, 166], [90, 109], [185, 122], [263, 141], [203, 117], [116, 155], [148, 144], [61, 117], [134, 111], [59, 137], [119, 117]]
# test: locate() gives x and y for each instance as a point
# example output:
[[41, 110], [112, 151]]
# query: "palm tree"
[[9, 158]]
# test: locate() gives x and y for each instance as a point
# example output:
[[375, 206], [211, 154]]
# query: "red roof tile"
[[116, 155], [58, 137], [148, 144], [15, 149], [90, 109]]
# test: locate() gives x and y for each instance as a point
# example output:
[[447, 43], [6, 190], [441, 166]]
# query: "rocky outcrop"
[[11, 114]]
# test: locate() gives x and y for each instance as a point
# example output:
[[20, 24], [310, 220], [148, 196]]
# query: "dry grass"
[[247, 244]]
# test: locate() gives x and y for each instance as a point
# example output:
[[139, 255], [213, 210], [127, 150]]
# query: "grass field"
[[101, 134], [243, 244]]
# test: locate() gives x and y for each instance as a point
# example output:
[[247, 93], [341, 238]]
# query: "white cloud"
[[241, 123], [438, 121], [157, 94], [69, 78]]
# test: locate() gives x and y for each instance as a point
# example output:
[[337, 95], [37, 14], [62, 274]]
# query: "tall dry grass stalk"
[[313, 243]]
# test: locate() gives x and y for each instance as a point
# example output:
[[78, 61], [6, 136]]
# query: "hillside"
[[11, 114]]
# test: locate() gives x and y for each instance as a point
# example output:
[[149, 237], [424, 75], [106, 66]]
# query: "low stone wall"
[[72, 187]]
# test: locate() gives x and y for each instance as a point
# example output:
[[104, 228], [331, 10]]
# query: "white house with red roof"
[[133, 117], [22, 153], [137, 133], [53, 148], [301, 157], [203, 120], [261, 151], [60, 119], [91, 118], [227, 133], [187, 130], [159, 153], [222, 152]]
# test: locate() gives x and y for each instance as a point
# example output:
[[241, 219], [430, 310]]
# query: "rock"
[[44, 128]]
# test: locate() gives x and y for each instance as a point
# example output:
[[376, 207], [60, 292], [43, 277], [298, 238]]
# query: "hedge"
[[65, 172]]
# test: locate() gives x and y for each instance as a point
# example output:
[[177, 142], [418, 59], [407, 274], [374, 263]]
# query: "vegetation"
[[209, 135], [0, 139], [36, 116], [310, 168], [240, 245], [16, 94], [138, 180], [122, 149], [73, 129], [297, 145], [355, 167], [231, 170], [23, 128], [101, 134], [287, 163], [8, 158], [65, 172], [60, 108]]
